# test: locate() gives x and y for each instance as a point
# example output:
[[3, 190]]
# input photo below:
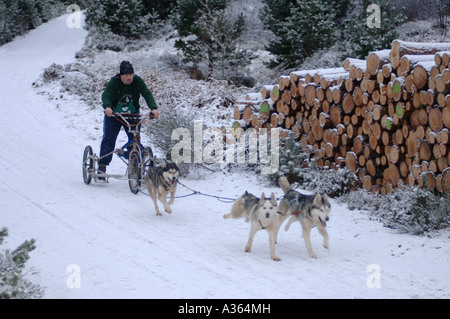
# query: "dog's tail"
[[284, 184]]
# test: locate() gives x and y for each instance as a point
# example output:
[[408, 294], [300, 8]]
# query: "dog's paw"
[[275, 258], [168, 210], [158, 214], [313, 256]]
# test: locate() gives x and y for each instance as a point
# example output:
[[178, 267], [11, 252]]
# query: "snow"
[[329, 71], [425, 45], [101, 241], [382, 55]]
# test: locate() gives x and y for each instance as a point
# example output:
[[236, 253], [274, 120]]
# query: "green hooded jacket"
[[118, 94]]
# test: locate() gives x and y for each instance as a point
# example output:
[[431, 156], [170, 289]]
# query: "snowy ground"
[[117, 247]]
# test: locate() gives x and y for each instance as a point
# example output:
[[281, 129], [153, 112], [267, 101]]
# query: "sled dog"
[[309, 210], [262, 214], [161, 181]]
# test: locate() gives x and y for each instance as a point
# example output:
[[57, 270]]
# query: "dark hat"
[[126, 68]]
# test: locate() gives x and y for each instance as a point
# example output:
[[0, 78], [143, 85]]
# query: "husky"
[[309, 210], [262, 213], [161, 181]]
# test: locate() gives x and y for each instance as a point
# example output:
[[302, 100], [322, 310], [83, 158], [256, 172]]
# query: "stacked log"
[[386, 118]]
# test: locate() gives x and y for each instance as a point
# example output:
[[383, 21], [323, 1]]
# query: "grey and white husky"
[[262, 214], [161, 181], [309, 210]]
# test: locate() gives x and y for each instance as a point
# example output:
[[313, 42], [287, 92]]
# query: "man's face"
[[127, 79]]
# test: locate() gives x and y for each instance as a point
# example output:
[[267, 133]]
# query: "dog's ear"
[[317, 200], [273, 199], [325, 198], [164, 164], [263, 197]]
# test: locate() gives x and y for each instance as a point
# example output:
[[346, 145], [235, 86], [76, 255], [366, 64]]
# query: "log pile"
[[386, 118]]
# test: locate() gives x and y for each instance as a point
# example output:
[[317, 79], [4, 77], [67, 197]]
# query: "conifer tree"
[[365, 38], [7, 15], [13, 285], [17, 17], [301, 27], [210, 35], [121, 17], [163, 8], [291, 158], [196, 43]]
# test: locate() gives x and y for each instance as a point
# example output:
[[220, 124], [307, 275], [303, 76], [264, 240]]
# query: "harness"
[[253, 200], [280, 213], [262, 227]]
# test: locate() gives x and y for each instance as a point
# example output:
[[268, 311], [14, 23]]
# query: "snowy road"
[[117, 247]]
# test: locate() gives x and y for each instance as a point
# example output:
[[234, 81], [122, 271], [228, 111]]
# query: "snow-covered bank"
[[112, 241]]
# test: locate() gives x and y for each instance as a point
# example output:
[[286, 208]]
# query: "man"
[[121, 96]]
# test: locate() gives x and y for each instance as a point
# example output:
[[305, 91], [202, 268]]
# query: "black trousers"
[[111, 129]]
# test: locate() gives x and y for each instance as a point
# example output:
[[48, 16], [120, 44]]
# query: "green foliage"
[[275, 12], [334, 183], [300, 171], [291, 159], [210, 35], [302, 27], [190, 11], [17, 17], [13, 285], [411, 210], [163, 8], [364, 39], [121, 17]]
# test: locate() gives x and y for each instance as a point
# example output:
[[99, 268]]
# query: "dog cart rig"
[[138, 158]]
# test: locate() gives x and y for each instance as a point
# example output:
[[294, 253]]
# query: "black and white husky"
[[262, 214], [161, 181], [309, 210]]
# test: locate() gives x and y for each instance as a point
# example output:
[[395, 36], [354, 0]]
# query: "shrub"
[[53, 72], [411, 210], [334, 183], [13, 285], [125, 18], [299, 171]]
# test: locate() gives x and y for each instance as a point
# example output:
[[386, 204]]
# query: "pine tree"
[[17, 17], [28, 16], [196, 43], [121, 17], [210, 35], [275, 12], [301, 28], [365, 38], [13, 285], [291, 158], [7, 14], [163, 8]]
